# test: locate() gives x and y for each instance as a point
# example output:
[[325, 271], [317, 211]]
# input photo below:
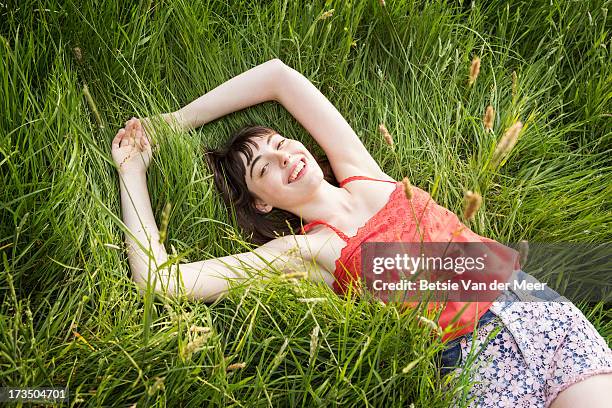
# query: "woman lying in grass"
[[545, 354]]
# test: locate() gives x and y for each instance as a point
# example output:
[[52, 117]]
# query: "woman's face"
[[282, 172]]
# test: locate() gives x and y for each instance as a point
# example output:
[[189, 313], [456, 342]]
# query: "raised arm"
[[206, 280], [257, 85], [274, 80]]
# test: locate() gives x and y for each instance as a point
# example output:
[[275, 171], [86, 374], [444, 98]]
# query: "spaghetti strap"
[[341, 234], [311, 224], [352, 178]]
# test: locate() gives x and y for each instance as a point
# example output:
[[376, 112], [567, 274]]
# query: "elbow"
[[280, 74], [157, 282], [277, 62]]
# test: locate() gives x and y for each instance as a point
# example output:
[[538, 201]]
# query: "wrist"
[[175, 120], [132, 175]]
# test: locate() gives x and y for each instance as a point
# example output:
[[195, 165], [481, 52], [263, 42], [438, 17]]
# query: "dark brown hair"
[[229, 177]]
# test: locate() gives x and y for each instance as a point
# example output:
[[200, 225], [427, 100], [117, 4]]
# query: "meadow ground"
[[69, 312]]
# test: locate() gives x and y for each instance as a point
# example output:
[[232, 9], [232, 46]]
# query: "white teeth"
[[299, 167]]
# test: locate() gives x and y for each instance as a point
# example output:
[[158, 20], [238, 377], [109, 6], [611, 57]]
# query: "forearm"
[[138, 218], [257, 85]]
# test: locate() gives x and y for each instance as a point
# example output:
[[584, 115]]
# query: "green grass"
[[405, 65]]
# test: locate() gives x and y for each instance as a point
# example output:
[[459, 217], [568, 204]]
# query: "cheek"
[[268, 185]]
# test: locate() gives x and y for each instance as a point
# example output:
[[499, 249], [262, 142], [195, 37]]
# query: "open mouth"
[[298, 171]]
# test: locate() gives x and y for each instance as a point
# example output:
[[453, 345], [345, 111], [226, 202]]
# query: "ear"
[[262, 206]]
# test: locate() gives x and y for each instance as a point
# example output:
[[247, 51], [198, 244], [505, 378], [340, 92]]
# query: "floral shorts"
[[525, 353]]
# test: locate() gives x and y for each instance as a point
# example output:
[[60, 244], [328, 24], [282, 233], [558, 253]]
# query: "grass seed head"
[[78, 54], [507, 142], [434, 326], [488, 118], [92, 106], [382, 2], [157, 385], [199, 329], [327, 14], [193, 346], [386, 135], [472, 204], [314, 340], [407, 188], [235, 366], [165, 219], [474, 70]]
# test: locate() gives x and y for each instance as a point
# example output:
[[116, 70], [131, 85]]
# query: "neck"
[[325, 204]]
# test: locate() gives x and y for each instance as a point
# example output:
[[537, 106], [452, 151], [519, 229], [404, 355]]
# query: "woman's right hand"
[[131, 148]]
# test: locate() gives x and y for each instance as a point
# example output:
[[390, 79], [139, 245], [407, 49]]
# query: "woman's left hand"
[[131, 148]]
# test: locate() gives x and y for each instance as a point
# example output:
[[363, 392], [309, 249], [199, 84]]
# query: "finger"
[[117, 139], [130, 128], [138, 136]]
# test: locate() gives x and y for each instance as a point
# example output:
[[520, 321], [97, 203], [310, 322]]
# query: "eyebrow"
[[268, 139]]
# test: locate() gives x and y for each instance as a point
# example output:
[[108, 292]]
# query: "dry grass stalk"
[[507, 142], [407, 188], [523, 252], [472, 204], [291, 275], [386, 135], [488, 118], [514, 83], [474, 70], [382, 2], [311, 300], [78, 336]]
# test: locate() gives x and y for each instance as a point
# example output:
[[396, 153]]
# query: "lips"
[[302, 160]]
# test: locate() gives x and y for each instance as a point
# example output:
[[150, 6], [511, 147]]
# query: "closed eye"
[[263, 169]]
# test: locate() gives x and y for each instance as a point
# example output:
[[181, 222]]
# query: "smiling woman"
[[239, 174]]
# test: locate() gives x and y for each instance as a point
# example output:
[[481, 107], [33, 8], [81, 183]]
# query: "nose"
[[285, 159]]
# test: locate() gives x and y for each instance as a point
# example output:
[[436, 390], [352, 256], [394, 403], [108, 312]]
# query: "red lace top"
[[395, 222]]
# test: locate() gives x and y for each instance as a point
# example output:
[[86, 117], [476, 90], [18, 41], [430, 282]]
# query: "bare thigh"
[[595, 391]]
